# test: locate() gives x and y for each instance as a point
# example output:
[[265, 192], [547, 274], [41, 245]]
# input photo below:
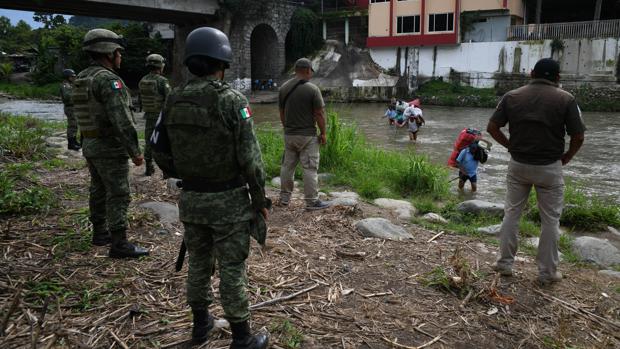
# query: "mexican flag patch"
[[246, 113], [117, 85]]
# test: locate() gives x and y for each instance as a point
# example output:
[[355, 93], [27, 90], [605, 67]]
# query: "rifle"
[[181, 256]]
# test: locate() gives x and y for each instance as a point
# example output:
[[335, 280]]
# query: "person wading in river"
[[539, 115]]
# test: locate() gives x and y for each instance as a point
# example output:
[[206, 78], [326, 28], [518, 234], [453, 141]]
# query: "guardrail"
[[570, 30]]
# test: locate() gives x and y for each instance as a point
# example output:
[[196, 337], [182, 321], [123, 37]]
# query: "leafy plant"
[[289, 335], [5, 70]]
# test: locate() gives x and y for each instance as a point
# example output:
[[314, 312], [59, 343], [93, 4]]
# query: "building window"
[[408, 24], [375, 1], [441, 22]]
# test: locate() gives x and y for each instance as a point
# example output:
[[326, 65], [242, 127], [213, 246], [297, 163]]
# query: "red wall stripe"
[[412, 40]]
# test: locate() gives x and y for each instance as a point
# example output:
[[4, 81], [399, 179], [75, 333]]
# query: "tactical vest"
[[202, 139], [85, 107], [65, 94], [152, 100]]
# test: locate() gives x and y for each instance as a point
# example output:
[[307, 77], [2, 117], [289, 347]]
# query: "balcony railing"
[[572, 30]]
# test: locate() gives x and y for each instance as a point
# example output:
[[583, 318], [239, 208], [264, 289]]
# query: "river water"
[[595, 166]]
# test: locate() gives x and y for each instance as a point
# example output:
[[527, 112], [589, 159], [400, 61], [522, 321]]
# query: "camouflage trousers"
[[229, 245], [109, 193], [150, 121], [72, 124]]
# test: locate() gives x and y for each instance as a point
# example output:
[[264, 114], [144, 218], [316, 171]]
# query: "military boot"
[[121, 248], [72, 144], [243, 339], [101, 237], [149, 168], [203, 324]]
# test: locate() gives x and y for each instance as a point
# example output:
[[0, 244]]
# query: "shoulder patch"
[[246, 113], [117, 85]]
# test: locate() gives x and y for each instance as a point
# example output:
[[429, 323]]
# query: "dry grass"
[[368, 293]]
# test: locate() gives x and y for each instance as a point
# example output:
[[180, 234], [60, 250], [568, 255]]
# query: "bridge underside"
[[129, 10]]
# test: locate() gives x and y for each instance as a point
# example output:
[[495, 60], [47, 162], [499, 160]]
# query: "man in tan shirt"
[[301, 110], [538, 115]]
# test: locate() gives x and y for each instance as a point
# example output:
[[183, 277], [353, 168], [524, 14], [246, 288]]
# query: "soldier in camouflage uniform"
[[154, 88], [102, 107], [215, 152], [65, 95]]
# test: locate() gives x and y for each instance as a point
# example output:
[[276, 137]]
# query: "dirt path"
[[57, 291]]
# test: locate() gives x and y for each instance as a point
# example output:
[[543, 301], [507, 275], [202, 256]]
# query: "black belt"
[[203, 186]]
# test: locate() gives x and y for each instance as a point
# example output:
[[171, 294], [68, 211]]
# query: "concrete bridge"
[[258, 35]]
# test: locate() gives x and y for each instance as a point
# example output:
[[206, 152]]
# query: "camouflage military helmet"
[[102, 41], [208, 42], [155, 60], [67, 73]]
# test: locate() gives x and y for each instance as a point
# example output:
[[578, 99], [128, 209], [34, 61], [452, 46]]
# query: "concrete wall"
[[582, 61], [379, 19], [493, 29]]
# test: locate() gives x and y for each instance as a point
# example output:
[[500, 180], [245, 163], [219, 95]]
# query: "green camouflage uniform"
[[102, 107], [153, 91], [65, 94], [212, 140]]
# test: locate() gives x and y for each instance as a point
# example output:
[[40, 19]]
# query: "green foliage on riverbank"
[[23, 137], [582, 211], [370, 171], [21, 143], [46, 91], [438, 92]]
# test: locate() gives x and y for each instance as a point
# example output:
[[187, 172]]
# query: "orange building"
[[429, 22]]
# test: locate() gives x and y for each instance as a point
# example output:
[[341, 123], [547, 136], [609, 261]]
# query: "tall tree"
[[49, 20]]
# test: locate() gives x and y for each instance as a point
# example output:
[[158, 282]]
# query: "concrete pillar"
[[179, 73], [346, 31], [324, 29], [597, 10], [538, 10]]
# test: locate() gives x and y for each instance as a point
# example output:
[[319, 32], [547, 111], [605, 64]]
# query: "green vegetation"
[[581, 210], [77, 234], [591, 99], [288, 335], [369, 171], [305, 36], [58, 41], [23, 136], [439, 92], [5, 70], [46, 91]]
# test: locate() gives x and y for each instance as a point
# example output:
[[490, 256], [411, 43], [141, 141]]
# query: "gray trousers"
[[304, 149], [549, 185]]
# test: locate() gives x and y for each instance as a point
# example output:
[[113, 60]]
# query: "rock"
[[344, 194], [56, 142], [532, 242], [612, 273], [343, 202], [172, 185], [325, 177], [344, 198], [599, 251], [404, 209], [168, 213], [382, 228], [481, 207], [435, 218], [490, 230], [276, 182]]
